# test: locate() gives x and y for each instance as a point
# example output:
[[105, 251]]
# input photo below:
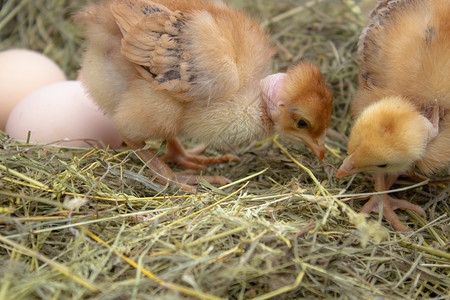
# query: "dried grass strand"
[[57, 266], [149, 274]]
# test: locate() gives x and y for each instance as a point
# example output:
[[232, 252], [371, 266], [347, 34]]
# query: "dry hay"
[[89, 223]]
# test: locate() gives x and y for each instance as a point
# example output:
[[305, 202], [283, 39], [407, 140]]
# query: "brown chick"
[[193, 69], [402, 107]]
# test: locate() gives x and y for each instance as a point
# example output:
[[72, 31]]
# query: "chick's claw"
[[389, 205], [403, 204], [191, 159]]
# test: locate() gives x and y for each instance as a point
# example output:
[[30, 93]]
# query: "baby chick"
[[193, 69], [403, 103]]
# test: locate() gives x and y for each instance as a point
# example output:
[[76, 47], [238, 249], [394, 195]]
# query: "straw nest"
[[88, 223]]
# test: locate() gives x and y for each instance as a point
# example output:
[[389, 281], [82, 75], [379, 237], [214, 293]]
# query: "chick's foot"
[[164, 174], [389, 205], [191, 159]]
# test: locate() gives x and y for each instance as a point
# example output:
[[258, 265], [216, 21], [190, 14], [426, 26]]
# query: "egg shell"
[[23, 71], [58, 111]]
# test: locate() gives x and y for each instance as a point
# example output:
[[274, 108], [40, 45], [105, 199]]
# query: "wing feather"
[[198, 54], [372, 38], [151, 41]]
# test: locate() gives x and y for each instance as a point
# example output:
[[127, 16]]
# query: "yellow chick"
[[196, 70], [403, 103]]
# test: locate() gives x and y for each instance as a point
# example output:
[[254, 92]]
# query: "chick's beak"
[[347, 168], [317, 146]]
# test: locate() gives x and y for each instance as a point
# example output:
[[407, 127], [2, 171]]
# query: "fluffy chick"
[[403, 103], [194, 69]]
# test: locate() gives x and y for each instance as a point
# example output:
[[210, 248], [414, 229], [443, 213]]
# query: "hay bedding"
[[89, 224]]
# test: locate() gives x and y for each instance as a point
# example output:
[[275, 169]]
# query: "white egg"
[[21, 72], [61, 111]]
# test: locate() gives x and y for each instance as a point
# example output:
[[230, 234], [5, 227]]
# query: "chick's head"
[[304, 107], [388, 137]]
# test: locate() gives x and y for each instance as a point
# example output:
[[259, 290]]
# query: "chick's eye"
[[302, 124], [382, 166]]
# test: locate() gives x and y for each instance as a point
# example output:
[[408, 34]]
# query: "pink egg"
[[60, 111], [23, 71]]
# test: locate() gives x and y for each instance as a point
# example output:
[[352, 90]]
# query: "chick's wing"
[[393, 45], [192, 55]]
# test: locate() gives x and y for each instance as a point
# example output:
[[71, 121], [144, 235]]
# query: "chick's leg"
[[191, 159], [164, 173], [383, 183]]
